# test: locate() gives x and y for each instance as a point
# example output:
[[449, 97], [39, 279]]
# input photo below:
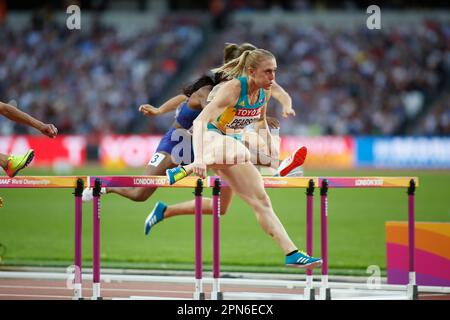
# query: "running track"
[[38, 289]]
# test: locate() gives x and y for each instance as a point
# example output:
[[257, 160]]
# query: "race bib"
[[244, 117], [156, 159]]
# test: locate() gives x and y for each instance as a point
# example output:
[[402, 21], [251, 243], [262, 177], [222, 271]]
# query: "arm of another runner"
[[284, 99], [168, 106], [21, 117], [199, 99], [226, 96], [266, 134]]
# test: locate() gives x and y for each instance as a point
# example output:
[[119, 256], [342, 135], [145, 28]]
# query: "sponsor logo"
[[248, 112], [369, 182], [35, 182], [5, 181], [24, 182], [150, 181], [276, 182]]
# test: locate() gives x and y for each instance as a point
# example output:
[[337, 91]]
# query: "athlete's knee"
[[264, 201], [261, 201], [224, 209]]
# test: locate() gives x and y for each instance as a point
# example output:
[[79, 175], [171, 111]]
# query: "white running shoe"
[[88, 193], [296, 172], [295, 160]]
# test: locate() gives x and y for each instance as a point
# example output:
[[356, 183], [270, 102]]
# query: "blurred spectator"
[[219, 13], [342, 81], [2, 11], [438, 120], [351, 81], [93, 81]]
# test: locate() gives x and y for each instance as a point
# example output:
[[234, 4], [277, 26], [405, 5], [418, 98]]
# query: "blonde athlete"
[[189, 105], [238, 103], [289, 166], [12, 164]]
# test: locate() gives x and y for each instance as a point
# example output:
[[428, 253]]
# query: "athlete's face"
[[264, 74]]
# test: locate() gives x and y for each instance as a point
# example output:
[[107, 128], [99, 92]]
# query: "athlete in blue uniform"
[[190, 105]]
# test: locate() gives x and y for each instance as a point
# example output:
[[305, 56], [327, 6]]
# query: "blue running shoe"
[[175, 174], [154, 217], [301, 260]]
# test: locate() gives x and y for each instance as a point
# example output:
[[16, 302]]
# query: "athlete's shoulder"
[[233, 85], [203, 91], [228, 88]]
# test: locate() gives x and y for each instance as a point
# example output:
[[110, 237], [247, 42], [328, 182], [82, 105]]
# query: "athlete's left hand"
[[149, 110], [199, 169], [49, 130], [288, 112]]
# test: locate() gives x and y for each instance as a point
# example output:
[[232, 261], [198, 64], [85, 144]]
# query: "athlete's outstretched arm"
[[168, 106], [21, 117], [226, 96], [199, 99], [262, 124], [284, 99]]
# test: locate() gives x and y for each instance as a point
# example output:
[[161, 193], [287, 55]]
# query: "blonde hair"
[[233, 51], [249, 59]]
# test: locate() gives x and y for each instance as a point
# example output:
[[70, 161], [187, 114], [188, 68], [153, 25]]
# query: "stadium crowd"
[[342, 81], [353, 81], [91, 81]]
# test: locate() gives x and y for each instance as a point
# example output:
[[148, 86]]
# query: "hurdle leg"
[[77, 284], [216, 294], [198, 294], [96, 242], [412, 290], [309, 290], [324, 293]]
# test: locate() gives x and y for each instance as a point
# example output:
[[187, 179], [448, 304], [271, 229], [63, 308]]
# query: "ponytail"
[[248, 59], [233, 51], [230, 52], [235, 68], [199, 83]]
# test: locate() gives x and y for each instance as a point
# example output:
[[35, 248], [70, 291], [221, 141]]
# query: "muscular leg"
[[188, 207], [142, 194], [251, 190], [215, 152]]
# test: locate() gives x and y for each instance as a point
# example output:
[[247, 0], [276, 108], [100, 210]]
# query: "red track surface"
[[30, 289]]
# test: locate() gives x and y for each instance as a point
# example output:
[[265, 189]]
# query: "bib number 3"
[[156, 159]]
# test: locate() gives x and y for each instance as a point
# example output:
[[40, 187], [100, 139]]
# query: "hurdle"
[[198, 184], [76, 182], [269, 182], [148, 182], [327, 290], [327, 183]]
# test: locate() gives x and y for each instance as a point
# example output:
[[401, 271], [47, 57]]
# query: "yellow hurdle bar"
[[277, 182], [191, 181], [41, 181], [144, 181], [369, 182]]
